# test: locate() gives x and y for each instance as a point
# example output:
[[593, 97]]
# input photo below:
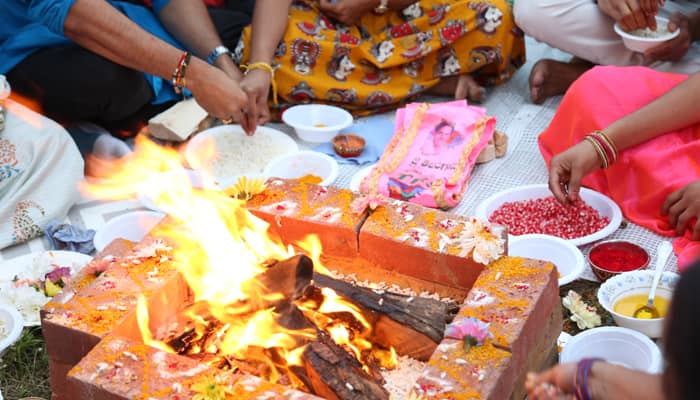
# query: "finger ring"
[[227, 121]]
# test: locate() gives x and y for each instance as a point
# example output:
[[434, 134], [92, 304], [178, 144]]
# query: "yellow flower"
[[209, 390], [245, 188]]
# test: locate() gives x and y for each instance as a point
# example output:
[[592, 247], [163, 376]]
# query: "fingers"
[[670, 201], [252, 114], [557, 181], [696, 228], [574, 186], [683, 219]]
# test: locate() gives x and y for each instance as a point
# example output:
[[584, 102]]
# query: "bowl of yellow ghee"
[[622, 294]]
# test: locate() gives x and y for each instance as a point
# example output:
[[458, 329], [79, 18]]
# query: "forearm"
[[694, 26], [674, 110], [102, 29], [268, 27], [608, 381]]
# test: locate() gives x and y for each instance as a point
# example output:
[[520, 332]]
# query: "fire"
[[222, 251]]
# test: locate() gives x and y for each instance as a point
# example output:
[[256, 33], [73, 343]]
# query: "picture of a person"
[[442, 138]]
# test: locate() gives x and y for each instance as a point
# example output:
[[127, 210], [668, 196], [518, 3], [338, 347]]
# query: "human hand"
[[683, 209], [674, 49], [256, 85], [215, 91], [567, 169], [650, 8], [347, 12], [628, 13], [554, 383]]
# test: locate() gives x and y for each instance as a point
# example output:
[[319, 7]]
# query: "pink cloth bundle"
[[432, 153]]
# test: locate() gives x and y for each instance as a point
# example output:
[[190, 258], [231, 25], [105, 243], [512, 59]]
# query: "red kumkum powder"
[[618, 256]]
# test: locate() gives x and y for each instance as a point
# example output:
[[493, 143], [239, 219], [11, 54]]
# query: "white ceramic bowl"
[[641, 43], [565, 256], [605, 206], [235, 153], [131, 226], [316, 123], [636, 282], [13, 324], [302, 163], [616, 345]]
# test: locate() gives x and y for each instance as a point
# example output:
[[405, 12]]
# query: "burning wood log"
[[332, 373], [412, 326]]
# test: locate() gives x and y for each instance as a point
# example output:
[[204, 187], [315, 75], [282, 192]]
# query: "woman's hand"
[[683, 209], [628, 13], [347, 12], [554, 383], [215, 91], [567, 169], [256, 85], [674, 49]]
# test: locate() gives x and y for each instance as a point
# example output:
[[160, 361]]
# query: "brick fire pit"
[[96, 350]]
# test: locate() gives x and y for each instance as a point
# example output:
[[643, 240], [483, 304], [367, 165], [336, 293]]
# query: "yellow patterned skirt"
[[386, 60]]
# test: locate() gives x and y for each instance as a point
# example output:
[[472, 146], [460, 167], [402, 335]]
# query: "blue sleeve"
[[51, 13], [158, 5]]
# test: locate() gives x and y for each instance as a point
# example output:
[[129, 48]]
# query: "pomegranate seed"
[[549, 217]]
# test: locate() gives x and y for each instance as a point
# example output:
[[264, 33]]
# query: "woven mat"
[[516, 116]]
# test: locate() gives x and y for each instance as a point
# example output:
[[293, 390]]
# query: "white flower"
[[477, 238], [584, 315]]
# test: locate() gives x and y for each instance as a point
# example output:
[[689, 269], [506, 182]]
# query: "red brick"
[[410, 239], [518, 297], [120, 368], [295, 210]]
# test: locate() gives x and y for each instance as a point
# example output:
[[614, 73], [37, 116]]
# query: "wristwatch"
[[382, 7], [218, 50]]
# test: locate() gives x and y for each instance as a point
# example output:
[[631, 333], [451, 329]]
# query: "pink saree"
[[644, 175]]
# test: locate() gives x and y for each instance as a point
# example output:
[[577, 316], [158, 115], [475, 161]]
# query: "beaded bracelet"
[[583, 371], [267, 67], [179, 82]]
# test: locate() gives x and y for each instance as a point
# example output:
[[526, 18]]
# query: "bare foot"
[[551, 78], [461, 87]]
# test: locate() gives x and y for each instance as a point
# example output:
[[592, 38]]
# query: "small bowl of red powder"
[[613, 257]]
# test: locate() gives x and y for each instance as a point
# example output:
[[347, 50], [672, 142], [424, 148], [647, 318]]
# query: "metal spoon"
[[648, 310]]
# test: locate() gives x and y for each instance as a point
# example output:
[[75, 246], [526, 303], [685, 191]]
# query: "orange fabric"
[[644, 175]]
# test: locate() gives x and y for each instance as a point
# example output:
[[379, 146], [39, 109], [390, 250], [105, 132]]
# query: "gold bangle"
[[609, 142], [599, 150], [267, 67]]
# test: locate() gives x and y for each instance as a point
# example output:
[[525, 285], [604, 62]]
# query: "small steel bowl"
[[348, 145], [603, 272]]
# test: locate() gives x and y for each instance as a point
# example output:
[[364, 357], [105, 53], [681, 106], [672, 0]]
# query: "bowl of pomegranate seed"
[[531, 209]]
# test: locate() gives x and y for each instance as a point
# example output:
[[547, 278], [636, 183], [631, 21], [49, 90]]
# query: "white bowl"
[[301, 163], [132, 226], [13, 324], [316, 123], [615, 345], [636, 282], [565, 256], [641, 43], [235, 153], [605, 206]]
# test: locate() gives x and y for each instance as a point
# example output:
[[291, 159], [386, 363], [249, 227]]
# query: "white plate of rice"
[[234, 153], [19, 278]]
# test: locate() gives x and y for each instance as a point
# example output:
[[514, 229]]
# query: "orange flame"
[[218, 247]]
